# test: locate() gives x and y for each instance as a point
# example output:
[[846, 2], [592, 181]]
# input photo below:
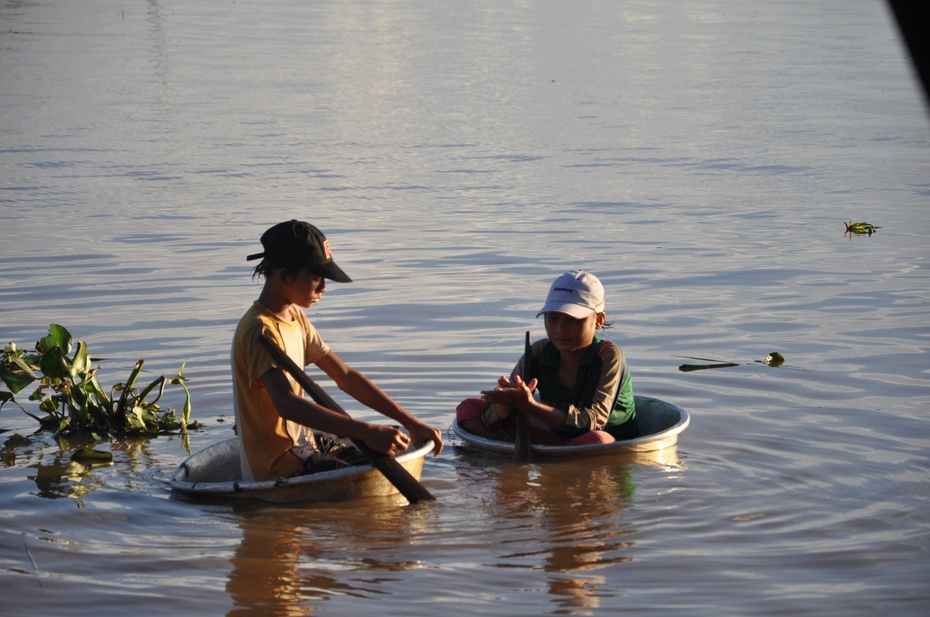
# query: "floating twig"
[[774, 359], [35, 568]]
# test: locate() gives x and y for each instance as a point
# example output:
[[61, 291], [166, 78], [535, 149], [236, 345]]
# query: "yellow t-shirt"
[[271, 447]]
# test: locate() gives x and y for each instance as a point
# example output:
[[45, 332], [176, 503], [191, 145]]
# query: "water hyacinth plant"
[[861, 228], [71, 398]]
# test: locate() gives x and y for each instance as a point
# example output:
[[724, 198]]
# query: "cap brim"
[[569, 308], [333, 273]]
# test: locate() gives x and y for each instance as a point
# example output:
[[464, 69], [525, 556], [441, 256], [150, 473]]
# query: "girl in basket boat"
[[584, 393]]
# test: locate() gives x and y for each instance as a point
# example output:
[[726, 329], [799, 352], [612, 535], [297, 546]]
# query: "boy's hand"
[[391, 441], [422, 433], [386, 439]]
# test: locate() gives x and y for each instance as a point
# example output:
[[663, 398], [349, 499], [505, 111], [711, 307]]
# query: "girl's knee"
[[469, 409], [592, 438]]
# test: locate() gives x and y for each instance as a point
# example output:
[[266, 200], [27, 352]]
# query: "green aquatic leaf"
[[55, 364], [81, 362], [58, 336], [89, 455], [7, 397], [135, 419], [73, 400], [121, 405], [159, 383], [179, 380], [16, 373], [774, 359], [861, 227], [92, 387]]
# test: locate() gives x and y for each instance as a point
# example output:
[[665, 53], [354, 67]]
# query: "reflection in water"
[[264, 573], [60, 472], [292, 557], [558, 523], [63, 479], [62, 476], [15, 448], [569, 514], [156, 40], [576, 508]]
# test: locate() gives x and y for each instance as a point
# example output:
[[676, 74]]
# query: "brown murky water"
[[699, 157]]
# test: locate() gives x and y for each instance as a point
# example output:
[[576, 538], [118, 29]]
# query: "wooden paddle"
[[521, 443], [409, 487]]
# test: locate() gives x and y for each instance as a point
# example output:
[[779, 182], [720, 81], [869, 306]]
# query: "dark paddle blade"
[[409, 487], [521, 445]]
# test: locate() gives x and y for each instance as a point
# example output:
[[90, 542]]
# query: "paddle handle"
[[521, 443], [409, 487]]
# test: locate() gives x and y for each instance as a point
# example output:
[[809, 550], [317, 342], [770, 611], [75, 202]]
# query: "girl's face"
[[569, 333]]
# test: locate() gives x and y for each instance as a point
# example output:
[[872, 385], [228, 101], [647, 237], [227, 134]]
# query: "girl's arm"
[[518, 395], [600, 394], [590, 414]]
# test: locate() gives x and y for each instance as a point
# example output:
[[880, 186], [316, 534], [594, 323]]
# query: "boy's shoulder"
[[257, 313], [258, 321], [255, 316]]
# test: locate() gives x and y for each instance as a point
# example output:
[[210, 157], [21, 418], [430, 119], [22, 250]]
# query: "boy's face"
[[304, 288], [569, 333]]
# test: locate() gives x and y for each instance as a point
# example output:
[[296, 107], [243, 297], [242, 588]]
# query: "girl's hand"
[[516, 394]]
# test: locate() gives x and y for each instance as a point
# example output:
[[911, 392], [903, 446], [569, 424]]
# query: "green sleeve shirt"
[[602, 394]]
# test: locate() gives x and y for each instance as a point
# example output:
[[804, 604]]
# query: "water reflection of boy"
[[273, 417], [585, 389], [289, 558]]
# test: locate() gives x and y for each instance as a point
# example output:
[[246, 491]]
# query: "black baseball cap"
[[298, 244]]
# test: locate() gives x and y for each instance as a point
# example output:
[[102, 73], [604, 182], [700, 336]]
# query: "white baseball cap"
[[576, 293]]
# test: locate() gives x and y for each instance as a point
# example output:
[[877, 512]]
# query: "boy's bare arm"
[[291, 406], [362, 389]]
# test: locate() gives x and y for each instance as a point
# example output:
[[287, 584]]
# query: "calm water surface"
[[700, 157]]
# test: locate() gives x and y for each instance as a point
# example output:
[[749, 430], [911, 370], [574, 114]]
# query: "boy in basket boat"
[[274, 419]]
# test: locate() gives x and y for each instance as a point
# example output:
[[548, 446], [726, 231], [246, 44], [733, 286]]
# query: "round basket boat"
[[659, 422], [214, 472]]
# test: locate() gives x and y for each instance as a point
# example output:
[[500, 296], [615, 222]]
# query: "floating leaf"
[[89, 455], [860, 228], [774, 359]]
